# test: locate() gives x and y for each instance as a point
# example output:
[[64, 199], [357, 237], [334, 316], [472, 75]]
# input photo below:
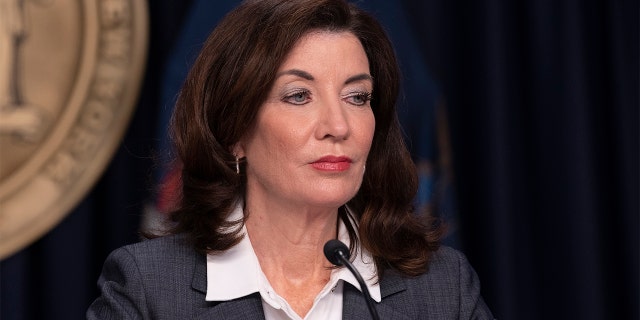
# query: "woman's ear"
[[238, 150]]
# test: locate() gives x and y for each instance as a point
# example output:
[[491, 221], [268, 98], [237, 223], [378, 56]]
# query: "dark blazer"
[[165, 278]]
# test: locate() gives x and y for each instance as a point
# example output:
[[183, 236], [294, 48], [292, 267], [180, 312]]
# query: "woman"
[[287, 135]]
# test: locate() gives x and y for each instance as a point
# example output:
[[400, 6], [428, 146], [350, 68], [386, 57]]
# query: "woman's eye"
[[359, 98], [298, 97]]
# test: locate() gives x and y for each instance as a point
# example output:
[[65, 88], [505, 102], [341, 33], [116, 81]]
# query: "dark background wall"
[[522, 115]]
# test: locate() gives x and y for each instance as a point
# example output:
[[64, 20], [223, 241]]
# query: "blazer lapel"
[[355, 306], [199, 281], [250, 307], [245, 308]]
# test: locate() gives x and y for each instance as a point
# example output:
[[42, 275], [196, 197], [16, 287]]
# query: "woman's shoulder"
[[446, 267], [448, 274], [170, 250], [152, 276], [445, 258], [173, 243], [448, 264], [450, 286], [159, 262]]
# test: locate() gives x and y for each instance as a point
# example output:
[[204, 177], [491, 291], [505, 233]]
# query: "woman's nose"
[[333, 122]]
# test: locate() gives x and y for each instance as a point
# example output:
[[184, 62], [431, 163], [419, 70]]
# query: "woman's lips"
[[332, 163]]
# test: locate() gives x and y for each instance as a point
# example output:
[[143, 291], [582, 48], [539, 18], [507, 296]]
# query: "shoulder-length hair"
[[218, 104]]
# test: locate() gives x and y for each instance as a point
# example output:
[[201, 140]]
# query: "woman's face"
[[314, 131]]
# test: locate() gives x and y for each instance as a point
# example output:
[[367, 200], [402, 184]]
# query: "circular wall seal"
[[70, 73]]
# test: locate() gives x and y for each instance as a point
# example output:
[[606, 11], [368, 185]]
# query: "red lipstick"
[[332, 163]]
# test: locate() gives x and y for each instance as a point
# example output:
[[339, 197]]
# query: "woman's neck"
[[300, 234], [289, 246]]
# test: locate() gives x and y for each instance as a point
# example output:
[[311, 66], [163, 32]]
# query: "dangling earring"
[[237, 165]]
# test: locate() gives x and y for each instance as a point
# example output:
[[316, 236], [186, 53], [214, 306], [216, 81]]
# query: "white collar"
[[236, 272]]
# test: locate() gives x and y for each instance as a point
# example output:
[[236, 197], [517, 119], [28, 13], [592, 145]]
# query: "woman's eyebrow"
[[359, 77], [296, 72], [307, 76]]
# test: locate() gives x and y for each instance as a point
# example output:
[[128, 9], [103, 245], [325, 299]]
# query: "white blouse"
[[237, 273]]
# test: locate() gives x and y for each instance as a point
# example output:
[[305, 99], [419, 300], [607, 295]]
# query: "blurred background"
[[522, 117]]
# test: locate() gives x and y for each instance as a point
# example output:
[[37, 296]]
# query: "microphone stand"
[[338, 254]]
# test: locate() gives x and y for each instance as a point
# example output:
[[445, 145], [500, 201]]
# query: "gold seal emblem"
[[70, 71]]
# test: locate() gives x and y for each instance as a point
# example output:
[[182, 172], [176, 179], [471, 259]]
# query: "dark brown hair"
[[219, 102]]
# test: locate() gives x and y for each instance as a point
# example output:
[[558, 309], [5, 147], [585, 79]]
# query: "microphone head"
[[332, 250]]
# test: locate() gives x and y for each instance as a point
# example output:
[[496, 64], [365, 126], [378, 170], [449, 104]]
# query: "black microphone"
[[338, 254]]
